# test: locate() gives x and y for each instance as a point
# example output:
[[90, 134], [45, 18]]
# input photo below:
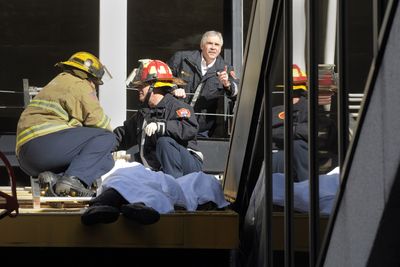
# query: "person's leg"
[[105, 208], [83, 152], [140, 213], [92, 155], [300, 160], [278, 164], [92, 159], [175, 159], [45, 153], [80, 154]]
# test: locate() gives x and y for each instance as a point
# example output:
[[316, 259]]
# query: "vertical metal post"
[[233, 43], [237, 36], [313, 58], [375, 26], [343, 120], [268, 170], [268, 54], [288, 142], [27, 99]]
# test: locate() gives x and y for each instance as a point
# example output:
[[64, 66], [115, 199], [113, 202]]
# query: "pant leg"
[[83, 152], [300, 160], [175, 159], [278, 162], [109, 197]]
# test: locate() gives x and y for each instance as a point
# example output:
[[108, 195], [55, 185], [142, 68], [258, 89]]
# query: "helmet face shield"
[[131, 77], [106, 75]]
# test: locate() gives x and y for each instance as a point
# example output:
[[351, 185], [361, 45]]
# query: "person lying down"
[[141, 194]]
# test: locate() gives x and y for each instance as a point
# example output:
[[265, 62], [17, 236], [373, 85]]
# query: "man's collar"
[[204, 64]]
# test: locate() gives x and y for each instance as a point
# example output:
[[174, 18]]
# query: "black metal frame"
[[313, 60], [375, 66]]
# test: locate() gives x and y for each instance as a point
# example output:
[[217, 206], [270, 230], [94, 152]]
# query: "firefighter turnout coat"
[[66, 102]]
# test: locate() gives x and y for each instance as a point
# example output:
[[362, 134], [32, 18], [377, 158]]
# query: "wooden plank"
[[62, 228]]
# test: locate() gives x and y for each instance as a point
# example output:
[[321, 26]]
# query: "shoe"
[[73, 187], [140, 213], [207, 206], [47, 180], [99, 214]]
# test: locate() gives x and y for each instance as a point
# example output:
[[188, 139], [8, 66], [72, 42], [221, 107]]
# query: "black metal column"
[[313, 60], [288, 142]]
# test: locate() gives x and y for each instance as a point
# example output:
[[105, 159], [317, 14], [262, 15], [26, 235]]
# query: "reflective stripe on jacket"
[[66, 102]]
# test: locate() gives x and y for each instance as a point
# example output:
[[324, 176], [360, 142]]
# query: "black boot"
[[104, 208], [110, 197], [140, 213], [72, 186], [99, 214], [47, 180]]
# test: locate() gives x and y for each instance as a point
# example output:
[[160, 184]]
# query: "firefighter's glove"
[[155, 127]]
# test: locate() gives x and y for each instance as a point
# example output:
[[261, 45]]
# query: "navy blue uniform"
[[300, 137], [174, 149]]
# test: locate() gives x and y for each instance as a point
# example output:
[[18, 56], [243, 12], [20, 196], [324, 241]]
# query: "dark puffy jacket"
[[183, 130], [300, 125], [187, 66]]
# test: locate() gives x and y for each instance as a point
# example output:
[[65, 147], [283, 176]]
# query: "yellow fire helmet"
[[299, 78], [88, 63]]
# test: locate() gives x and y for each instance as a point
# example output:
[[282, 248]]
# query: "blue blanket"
[[328, 186], [161, 191]]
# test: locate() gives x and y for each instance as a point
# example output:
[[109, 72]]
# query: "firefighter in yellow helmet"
[[63, 136]]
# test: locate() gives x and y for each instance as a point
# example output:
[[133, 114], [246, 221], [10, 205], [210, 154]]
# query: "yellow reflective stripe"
[[49, 105], [163, 84], [74, 122], [105, 120], [300, 87], [38, 130]]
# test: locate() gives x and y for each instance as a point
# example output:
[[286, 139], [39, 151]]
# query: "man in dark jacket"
[[208, 78], [165, 128]]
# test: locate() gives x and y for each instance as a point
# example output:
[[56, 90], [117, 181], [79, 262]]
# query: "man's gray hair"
[[211, 33]]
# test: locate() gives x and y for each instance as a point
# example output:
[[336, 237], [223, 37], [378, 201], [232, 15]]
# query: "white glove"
[[179, 93], [154, 127], [151, 128]]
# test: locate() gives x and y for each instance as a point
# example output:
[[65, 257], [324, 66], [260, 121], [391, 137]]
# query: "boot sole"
[[66, 189]]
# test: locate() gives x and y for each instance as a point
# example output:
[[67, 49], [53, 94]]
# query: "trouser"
[[300, 160], [175, 159], [82, 152], [109, 197]]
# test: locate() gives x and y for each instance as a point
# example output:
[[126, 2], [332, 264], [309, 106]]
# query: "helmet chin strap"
[[147, 98]]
